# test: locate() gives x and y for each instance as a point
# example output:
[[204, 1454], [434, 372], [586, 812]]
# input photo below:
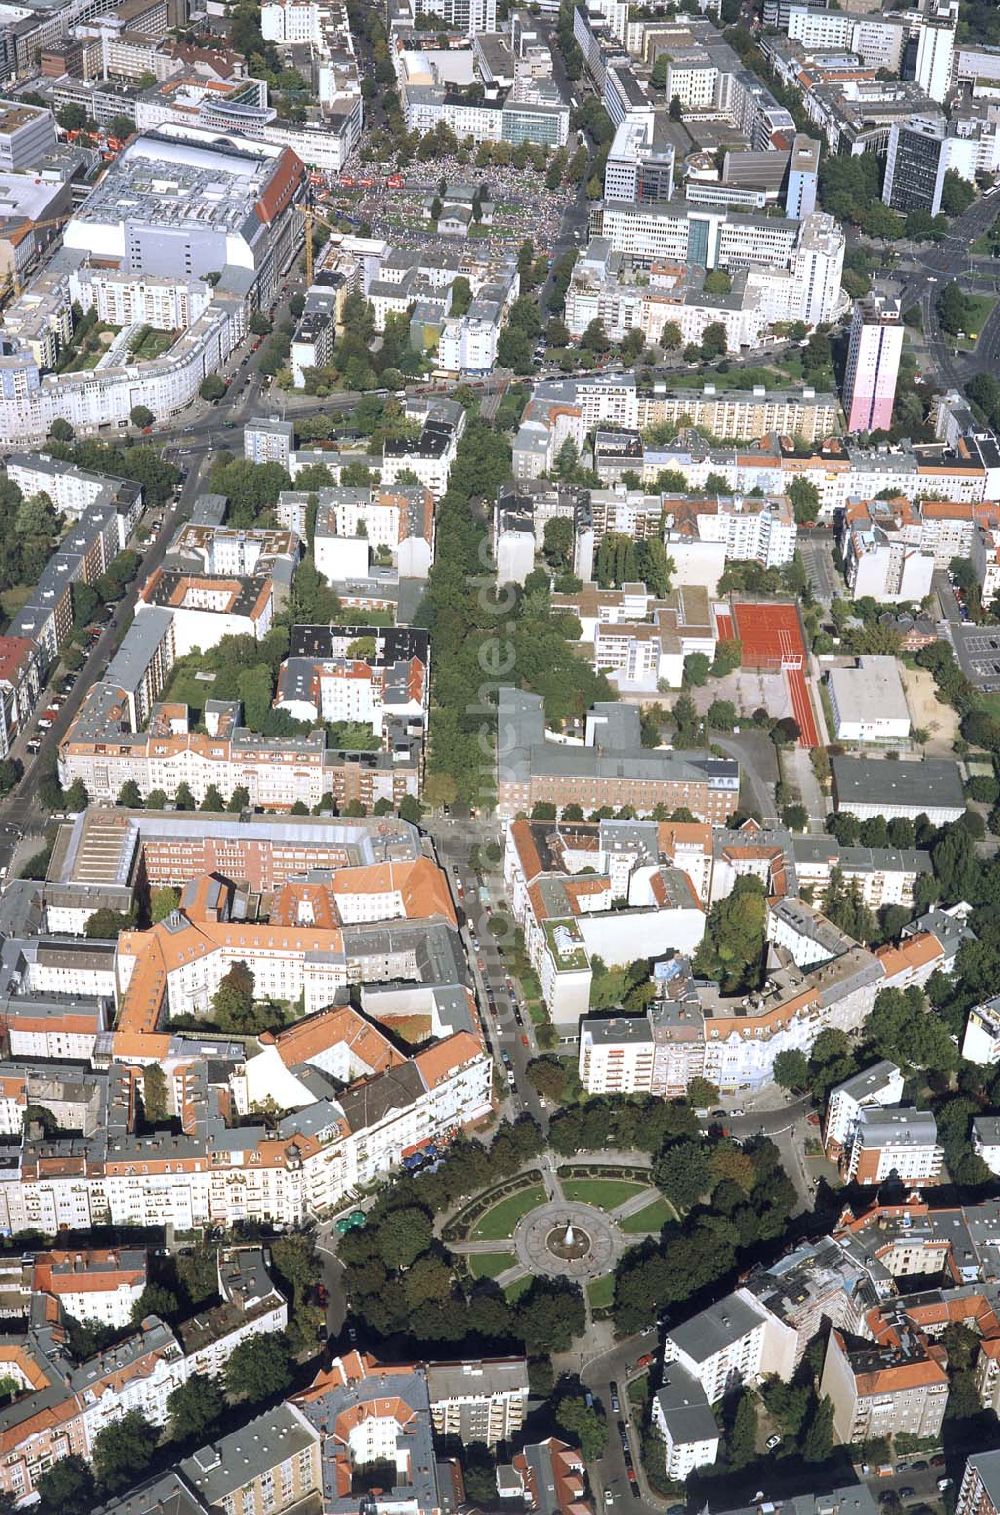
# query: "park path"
[[634, 1204]]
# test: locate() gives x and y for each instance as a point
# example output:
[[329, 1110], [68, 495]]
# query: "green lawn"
[[153, 344], [601, 1292], [605, 1193], [184, 688], [979, 308], [650, 1219], [500, 1220], [520, 1286], [490, 1264], [990, 703]]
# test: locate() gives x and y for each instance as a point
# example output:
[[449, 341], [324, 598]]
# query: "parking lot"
[[978, 650], [817, 559]]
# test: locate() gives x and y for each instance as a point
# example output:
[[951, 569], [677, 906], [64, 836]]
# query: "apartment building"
[[729, 1343], [880, 1086], [21, 681], [562, 881], [483, 1401], [884, 1388], [979, 1493], [356, 527], [893, 1143], [68, 1405], [267, 439], [986, 1144], [882, 875], [617, 1055], [251, 229], [985, 556], [639, 641], [683, 1418], [91, 1284], [873, 354], [981, 1041]]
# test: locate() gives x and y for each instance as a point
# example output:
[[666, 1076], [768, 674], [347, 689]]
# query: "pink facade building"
[[873, 364]]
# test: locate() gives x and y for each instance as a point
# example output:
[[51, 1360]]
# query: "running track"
[[771, 634], [802, 707]]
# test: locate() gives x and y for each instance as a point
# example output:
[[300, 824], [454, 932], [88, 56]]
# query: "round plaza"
[[567, 1239]]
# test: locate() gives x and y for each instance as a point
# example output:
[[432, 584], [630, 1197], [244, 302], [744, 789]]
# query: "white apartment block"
[[617, 1056], [981, 1041], [729, 1343], [880, 1085], [681, 1415], [986, 561]]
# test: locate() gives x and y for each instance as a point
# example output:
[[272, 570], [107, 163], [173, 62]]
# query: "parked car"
[[772, 1442]]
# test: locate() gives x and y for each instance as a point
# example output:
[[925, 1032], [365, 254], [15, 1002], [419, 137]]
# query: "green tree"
[[71, 117], [123, 1450], [194, 1408], [957, 194], [583, 1424], [701, 1093], [717, 282], [213, 801], [713, 341], [404, 1235], [595, 339], [791, 1070], [141, 416], [817, 1442], [232, 1002], [953, 309], [805, 501], [76, 797], [732, 949], [259, 1368], [11, 772], [162, 902], [697, 666], [154, 1094], [129, 797], [741, 1445], [67, 1487], [684, 1171], [105, 924], [212, 387], [238, 800], [154, 1300], [548, 1077]]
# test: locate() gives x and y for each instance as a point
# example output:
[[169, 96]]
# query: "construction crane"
[[310, 215], [12, 282]]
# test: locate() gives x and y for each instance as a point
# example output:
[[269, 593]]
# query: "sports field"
[[771, 637]]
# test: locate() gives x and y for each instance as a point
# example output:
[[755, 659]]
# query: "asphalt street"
[[510, 1033], [924, 269]]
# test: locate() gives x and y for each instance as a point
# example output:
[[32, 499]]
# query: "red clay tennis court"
[[771, 638]]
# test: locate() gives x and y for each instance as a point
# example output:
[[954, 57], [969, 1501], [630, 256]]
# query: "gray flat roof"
[[933, 783], [715, 1328], [684, 1406]]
